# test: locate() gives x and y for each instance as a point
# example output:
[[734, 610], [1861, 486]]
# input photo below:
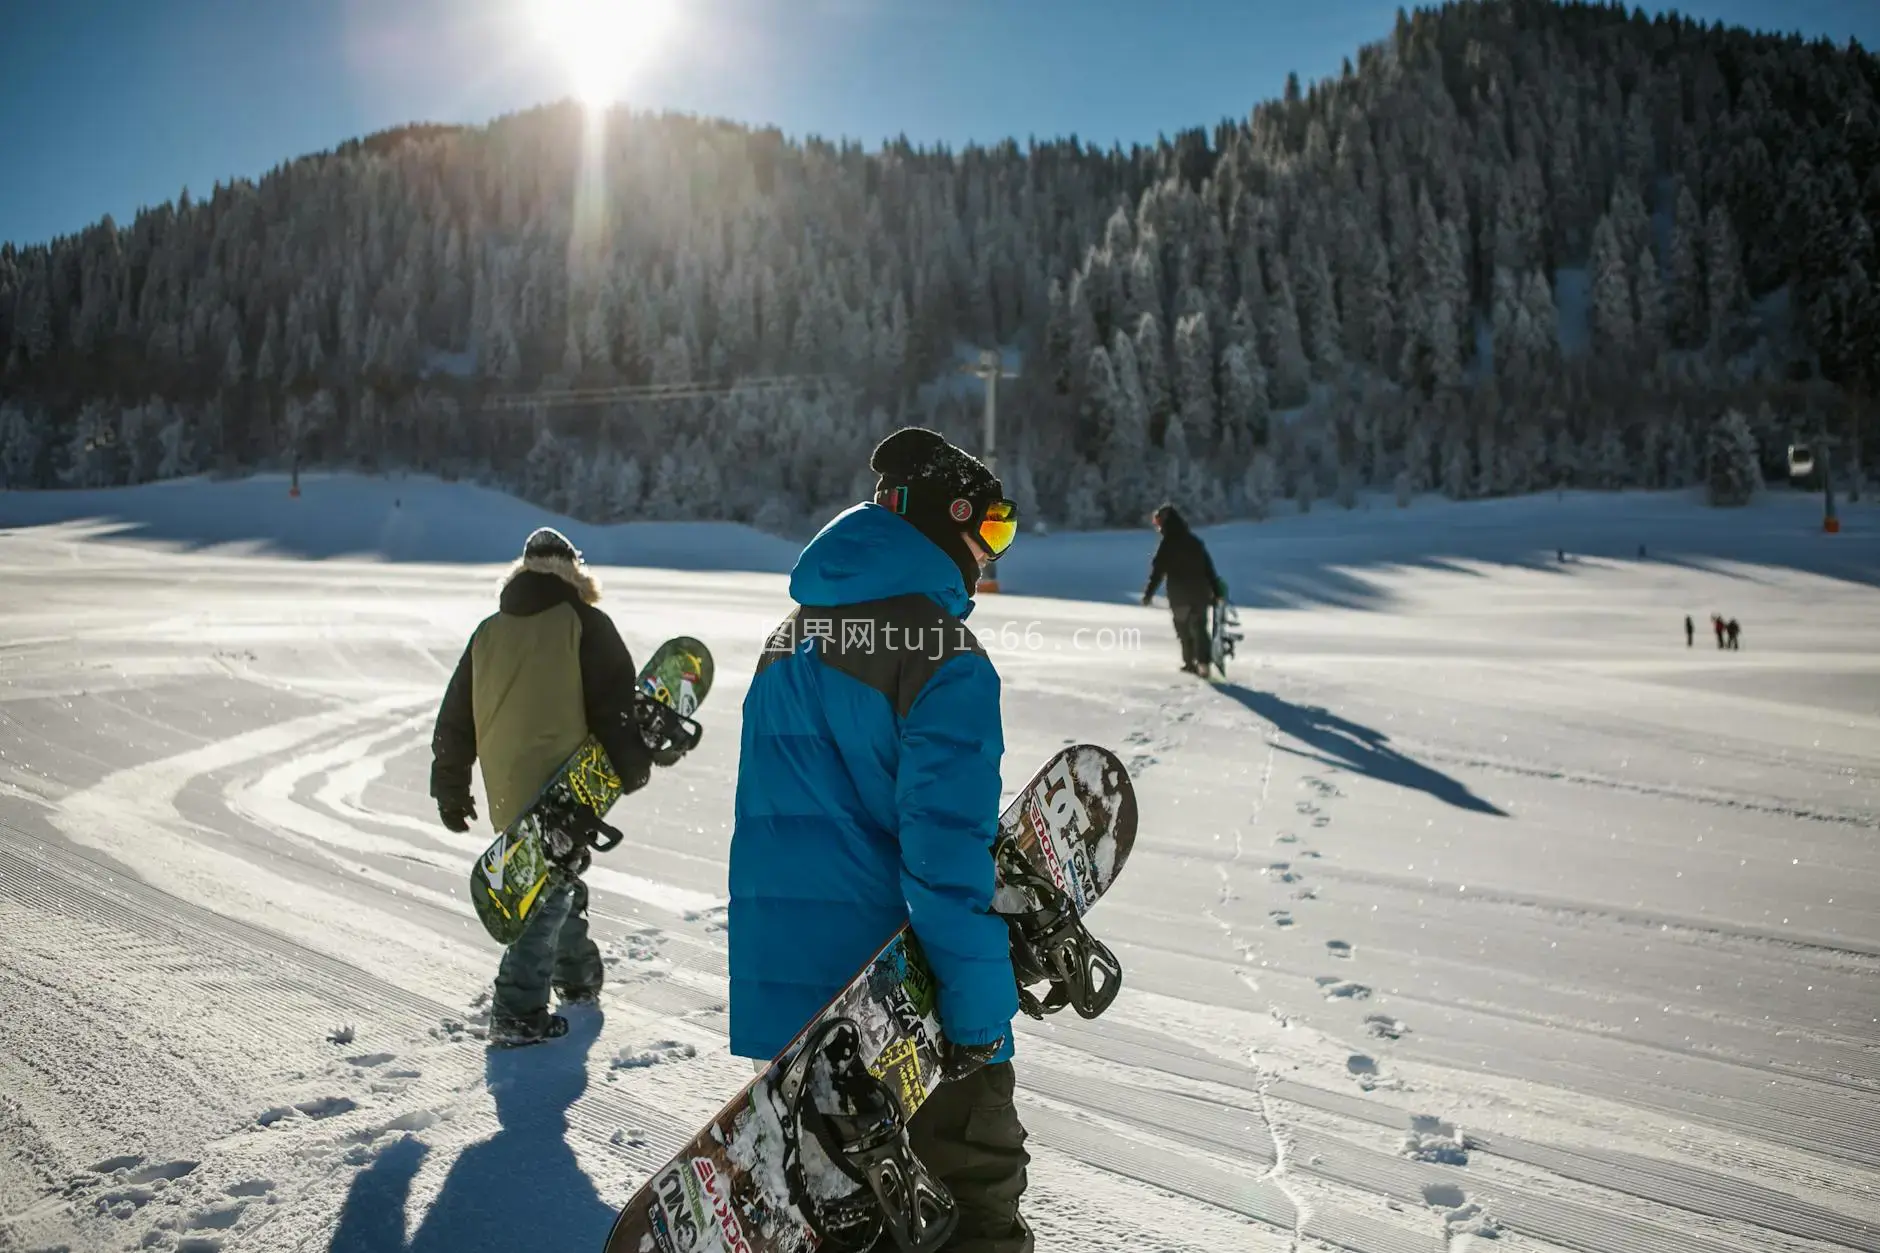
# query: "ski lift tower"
[[991, 369], [1803, 461]]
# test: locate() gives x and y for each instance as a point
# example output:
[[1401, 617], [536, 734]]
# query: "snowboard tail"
[[812, 1154], [565, 818]]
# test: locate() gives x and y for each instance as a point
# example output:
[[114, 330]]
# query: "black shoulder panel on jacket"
[[894, 646]]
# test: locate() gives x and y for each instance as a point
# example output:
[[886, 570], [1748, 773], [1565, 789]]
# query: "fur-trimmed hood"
[[574, 573]]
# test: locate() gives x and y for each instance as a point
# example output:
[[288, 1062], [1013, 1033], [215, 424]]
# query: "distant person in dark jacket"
[[538, 675], [1690, 631], [1182, 559], [1733, 630]]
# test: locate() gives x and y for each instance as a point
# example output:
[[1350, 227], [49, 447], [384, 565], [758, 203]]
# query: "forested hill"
[[1511, 245]]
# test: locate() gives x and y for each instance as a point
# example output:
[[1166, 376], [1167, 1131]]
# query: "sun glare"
[[601, 42]]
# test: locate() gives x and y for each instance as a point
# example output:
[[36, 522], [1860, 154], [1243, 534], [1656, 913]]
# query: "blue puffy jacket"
[[868, 791]]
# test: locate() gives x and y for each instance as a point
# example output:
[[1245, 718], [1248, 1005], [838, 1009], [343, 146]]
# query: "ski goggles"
[[998, 526], [995, 523]]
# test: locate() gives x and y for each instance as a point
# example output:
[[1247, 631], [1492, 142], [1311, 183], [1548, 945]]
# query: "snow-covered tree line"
[[1515, 245]]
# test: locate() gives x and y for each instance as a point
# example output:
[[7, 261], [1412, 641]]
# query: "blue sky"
[[110, 105]]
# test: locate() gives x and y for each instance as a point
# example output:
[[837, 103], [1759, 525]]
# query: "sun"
[[601, 42]]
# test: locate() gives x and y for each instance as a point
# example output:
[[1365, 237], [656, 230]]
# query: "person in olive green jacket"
[[537, 677]]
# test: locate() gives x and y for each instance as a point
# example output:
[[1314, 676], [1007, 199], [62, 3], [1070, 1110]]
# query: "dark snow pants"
[[554, 949], [968, 1134], [1196, 634]]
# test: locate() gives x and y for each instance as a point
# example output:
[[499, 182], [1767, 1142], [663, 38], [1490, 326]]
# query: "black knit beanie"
[[942, 489]]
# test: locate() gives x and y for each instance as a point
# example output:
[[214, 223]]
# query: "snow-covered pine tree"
[[1152, 367], [1733, 470], [1194, 379], [1611, 313], [1292, 372], [1723, 272], [1686, 301], [1261, 485], [1648, 301]]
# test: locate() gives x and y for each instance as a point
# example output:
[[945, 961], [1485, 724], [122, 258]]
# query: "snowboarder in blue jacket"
[[868, 799]]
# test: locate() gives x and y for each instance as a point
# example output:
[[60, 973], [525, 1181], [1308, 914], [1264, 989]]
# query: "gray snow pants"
[[554, 949], [1195, 629]]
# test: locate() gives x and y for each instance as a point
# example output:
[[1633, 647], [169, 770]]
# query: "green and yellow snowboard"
[[515, 868]]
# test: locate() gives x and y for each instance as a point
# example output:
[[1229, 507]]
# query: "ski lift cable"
[[657, 392]]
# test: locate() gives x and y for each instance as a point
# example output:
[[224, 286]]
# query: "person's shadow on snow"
[[1337, 741], [520, 1189]]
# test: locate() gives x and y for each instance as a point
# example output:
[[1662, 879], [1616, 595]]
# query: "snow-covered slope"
[[1475, 902], [400, 518]]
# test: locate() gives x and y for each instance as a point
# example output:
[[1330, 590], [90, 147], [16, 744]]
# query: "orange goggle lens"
[[999, 527]]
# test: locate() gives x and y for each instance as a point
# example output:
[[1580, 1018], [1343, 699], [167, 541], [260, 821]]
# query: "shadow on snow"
[[522, 1186], [1336, 741]]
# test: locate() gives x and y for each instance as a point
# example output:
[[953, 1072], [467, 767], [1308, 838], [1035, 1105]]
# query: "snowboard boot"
[[578, 996], [509, 1033]]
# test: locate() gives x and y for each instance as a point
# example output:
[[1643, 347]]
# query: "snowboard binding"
[[1050, 944], [668, 733], [857, 1123]]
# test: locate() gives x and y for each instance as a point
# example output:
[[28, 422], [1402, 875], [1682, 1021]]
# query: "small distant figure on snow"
[[1690, 631], [1193, 585], [1641, 552], [1733, 631], [1716, 624]]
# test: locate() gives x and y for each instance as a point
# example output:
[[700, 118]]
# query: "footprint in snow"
[[1285, 837], [1461, 1216], [1338, 948], [1306, 894], [135, 1185], [1280, 918], [366, 1061], [324, 1107], [1335, 988], [1433, 1139], [1281, 870], [1384, 1027], [251, 1187], [631, 1058], [1443, 1195], [1360, 1064], [219, 1219], [713, 917]]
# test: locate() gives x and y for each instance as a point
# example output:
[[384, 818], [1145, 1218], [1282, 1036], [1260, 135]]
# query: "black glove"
[[457, 812], [960, 1060]]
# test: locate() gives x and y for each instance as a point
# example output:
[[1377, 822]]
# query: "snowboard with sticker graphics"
[[1222, 618], [743, 1183], [513, 870]]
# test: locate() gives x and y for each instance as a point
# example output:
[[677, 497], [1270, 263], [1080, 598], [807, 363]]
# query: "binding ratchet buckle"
[[1050, 944], [866, 1139]]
